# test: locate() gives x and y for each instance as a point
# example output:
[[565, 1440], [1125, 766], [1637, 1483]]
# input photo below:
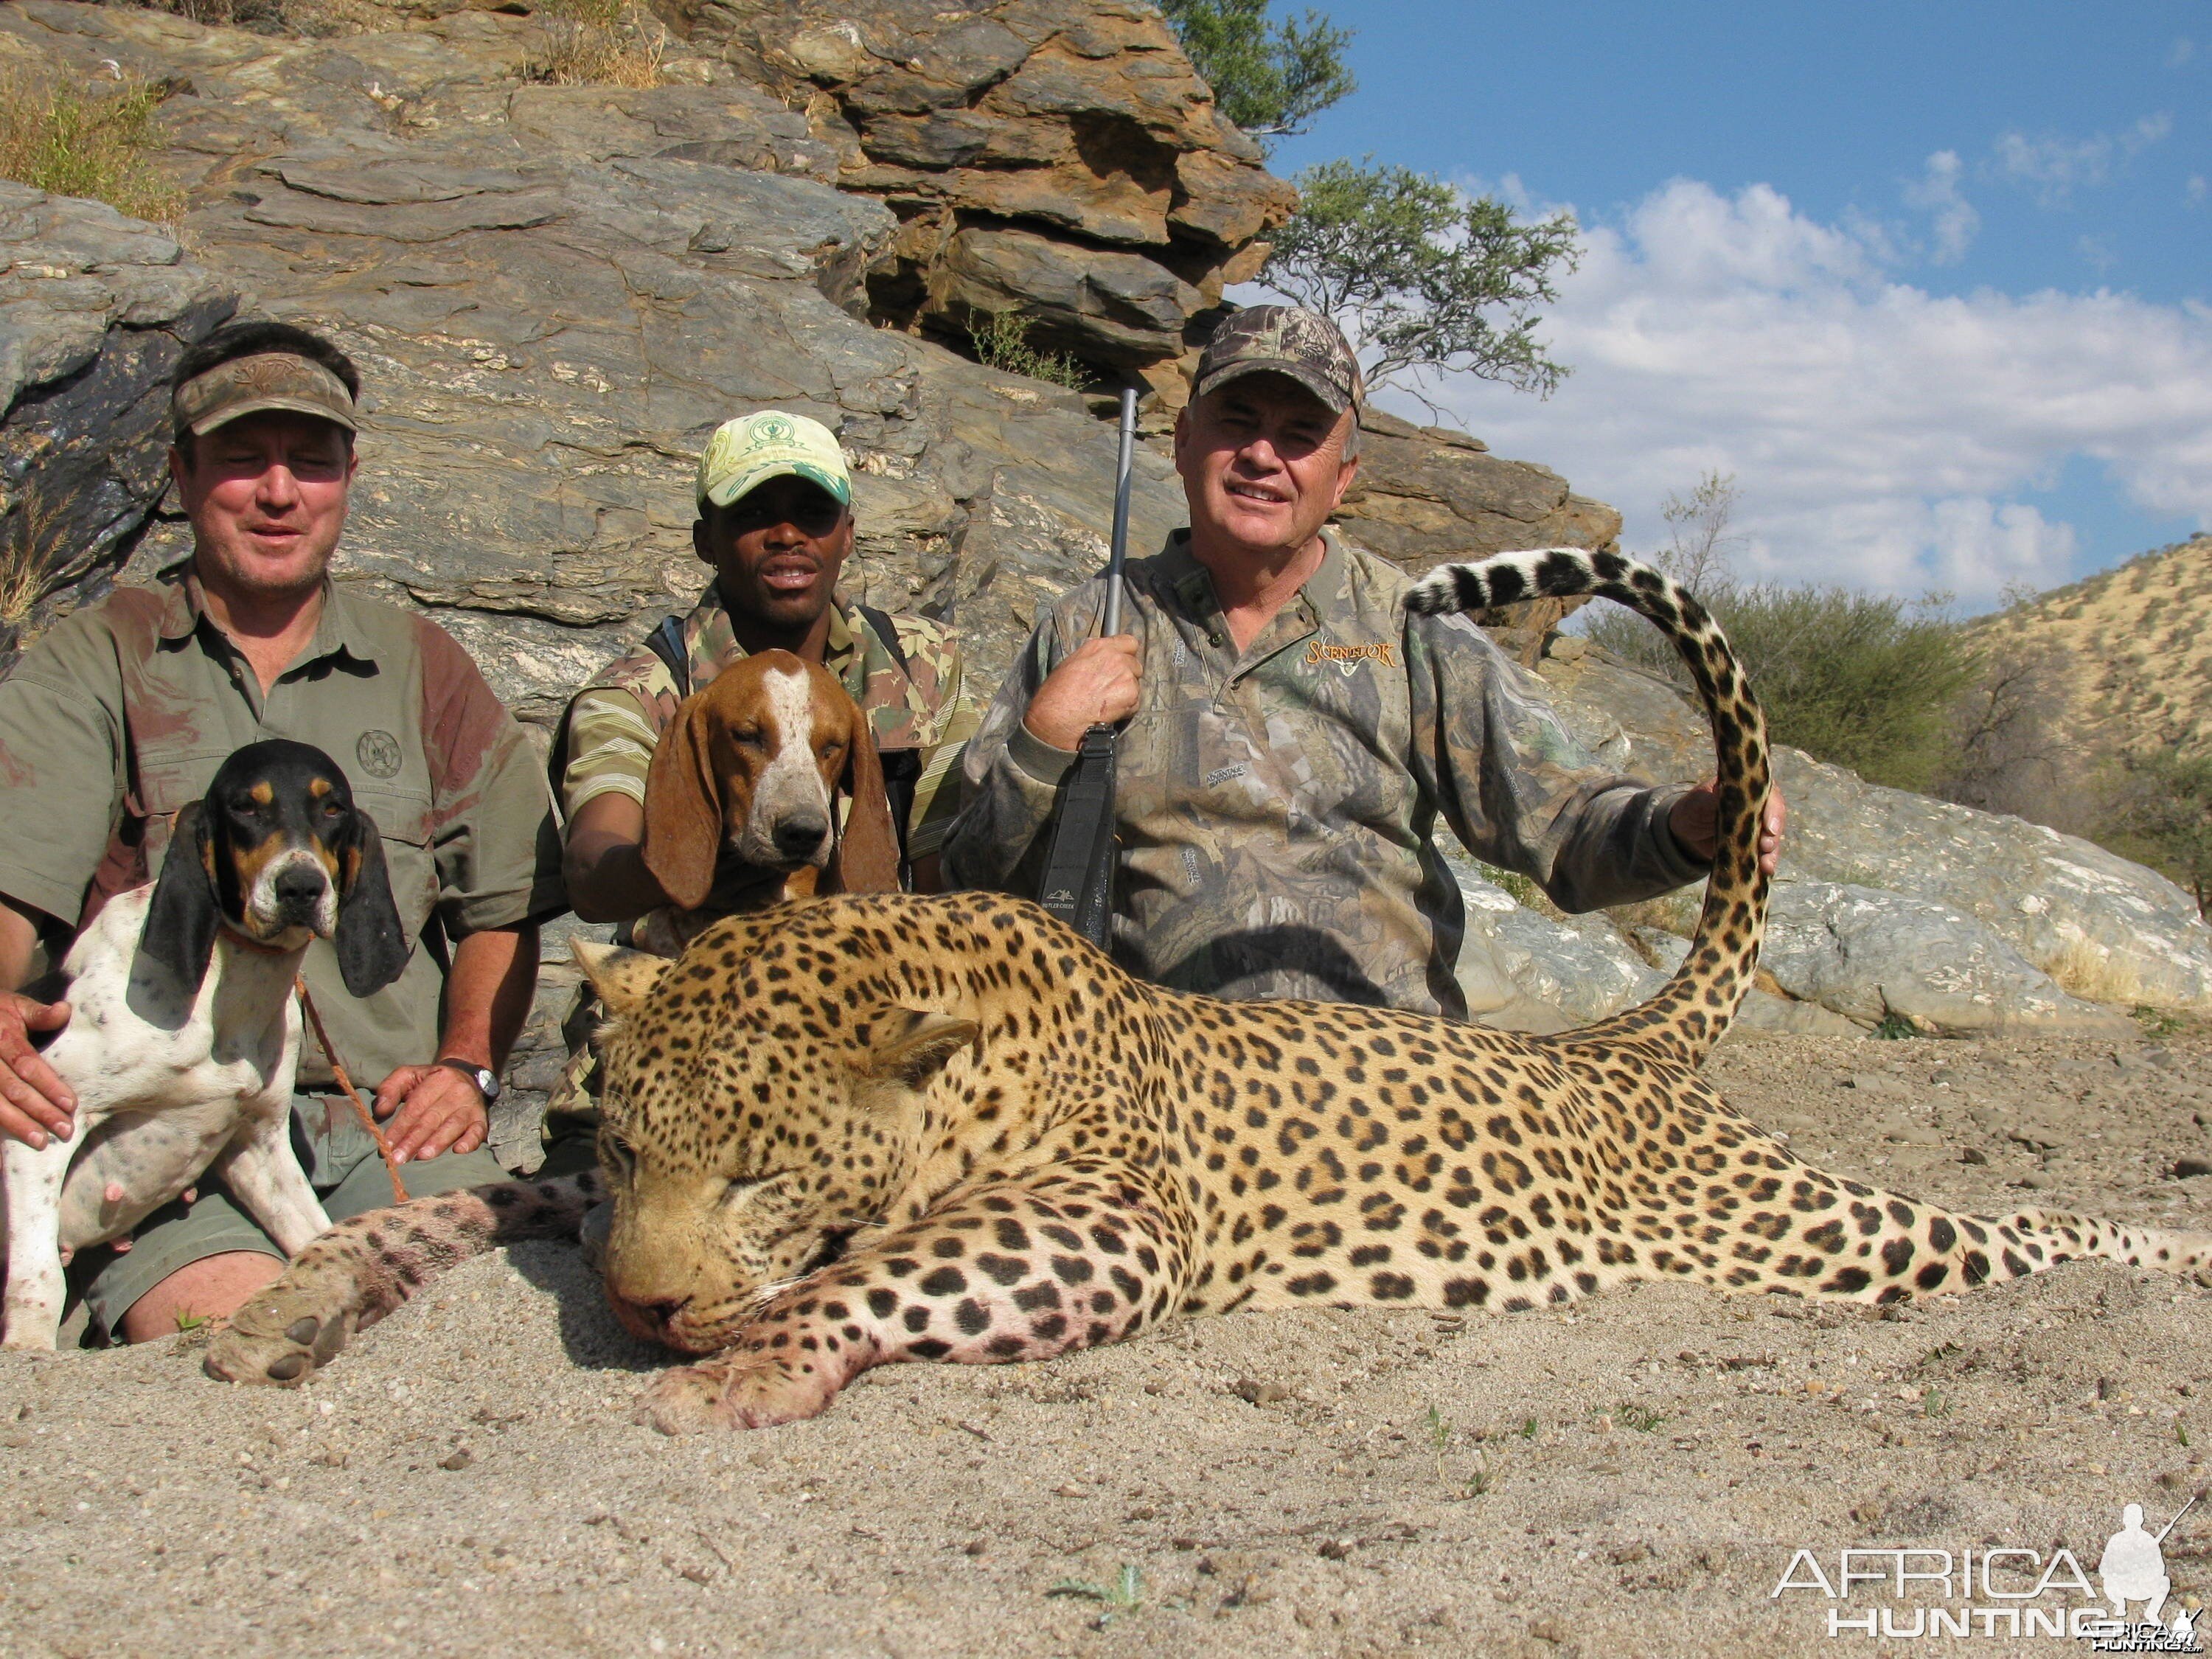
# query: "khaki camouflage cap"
[[746, 453], [250, 386], [1282, 340]]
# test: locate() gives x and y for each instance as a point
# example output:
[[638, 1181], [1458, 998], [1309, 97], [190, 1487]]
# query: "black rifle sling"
[[666, 642], [1079, 863]]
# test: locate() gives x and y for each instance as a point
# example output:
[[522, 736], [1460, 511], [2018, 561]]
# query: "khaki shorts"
[[341, 1163]]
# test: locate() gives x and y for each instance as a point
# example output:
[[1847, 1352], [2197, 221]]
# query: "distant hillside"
[[2132, 649]]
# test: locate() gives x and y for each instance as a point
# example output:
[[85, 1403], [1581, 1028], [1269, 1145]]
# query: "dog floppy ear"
[[684, 809], [867, 857], [371, 944], [182, 916]]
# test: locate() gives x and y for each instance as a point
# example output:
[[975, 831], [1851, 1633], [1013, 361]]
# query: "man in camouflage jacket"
[[1291, 736]]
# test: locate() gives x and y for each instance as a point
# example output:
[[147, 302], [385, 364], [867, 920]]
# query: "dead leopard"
[[880, 1128]]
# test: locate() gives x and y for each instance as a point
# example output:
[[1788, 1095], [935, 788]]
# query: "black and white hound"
[[184, 1035]]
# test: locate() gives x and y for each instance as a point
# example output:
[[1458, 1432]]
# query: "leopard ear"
[[912, 1047], [624, 979]]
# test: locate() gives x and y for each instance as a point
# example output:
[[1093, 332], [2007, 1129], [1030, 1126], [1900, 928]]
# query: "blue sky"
[[1931, 281]]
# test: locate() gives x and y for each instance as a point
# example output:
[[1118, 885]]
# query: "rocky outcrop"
[[1428, 495], [1057, 158], [2105, 929], [94, 310], [557, 292]]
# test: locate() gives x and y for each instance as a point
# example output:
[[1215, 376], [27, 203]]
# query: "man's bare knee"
[[214, 1288]]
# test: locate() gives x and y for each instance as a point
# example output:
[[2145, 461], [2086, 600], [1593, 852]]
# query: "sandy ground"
[[1633, 1477]]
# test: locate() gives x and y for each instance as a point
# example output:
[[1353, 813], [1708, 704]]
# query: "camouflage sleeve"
[[1519, 790], [610, 744], [1010, 781], [937, 791]]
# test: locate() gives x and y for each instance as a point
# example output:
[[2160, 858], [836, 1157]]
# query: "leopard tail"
[[1687, 1015]]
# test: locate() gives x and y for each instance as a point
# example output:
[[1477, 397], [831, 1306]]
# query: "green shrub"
[[1001, 340], [73, 141], [1858, 680]]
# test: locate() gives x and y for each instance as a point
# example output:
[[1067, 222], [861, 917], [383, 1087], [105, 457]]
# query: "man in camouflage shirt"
[[775, 524], [1292, 735]]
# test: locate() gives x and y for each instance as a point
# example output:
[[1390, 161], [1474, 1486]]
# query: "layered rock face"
[[1056, 158], [555, 292], [94, 310]]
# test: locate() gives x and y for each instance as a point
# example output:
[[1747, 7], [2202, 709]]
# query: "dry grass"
[[611, 43], [90, 141], [2092, 972], [27, 548]]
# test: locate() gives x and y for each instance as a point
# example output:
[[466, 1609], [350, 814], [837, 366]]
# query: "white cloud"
[[2054, 165], [1952, 221], [2197, 189], [2180, 53], [1882, 434]]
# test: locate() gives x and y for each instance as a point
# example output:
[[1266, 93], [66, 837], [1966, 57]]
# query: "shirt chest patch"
[[1347, 658]]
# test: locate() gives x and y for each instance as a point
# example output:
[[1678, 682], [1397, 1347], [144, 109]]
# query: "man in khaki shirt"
[[124, 712]]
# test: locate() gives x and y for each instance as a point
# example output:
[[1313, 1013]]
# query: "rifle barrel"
[[1119, 553]]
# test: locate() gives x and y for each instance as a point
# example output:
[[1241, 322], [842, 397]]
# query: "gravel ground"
[[1631, 1477]]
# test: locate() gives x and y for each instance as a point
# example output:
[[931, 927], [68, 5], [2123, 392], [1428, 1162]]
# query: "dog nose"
[[798, 834], [298, 887]]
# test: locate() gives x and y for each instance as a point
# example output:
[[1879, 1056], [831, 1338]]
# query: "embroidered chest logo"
[[379, 754], [1346, 658]]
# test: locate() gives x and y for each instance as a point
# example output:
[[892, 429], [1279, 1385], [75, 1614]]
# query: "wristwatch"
[[487, 1084]]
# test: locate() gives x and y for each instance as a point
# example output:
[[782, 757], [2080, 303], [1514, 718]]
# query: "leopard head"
[[753, 1120]]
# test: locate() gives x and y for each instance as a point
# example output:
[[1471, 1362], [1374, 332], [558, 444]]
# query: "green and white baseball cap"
[[746, 453]]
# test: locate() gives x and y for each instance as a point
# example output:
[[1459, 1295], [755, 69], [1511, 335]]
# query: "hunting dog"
[[184, 1036], [752, 765]]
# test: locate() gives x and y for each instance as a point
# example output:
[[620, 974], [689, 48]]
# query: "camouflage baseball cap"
[[251, 386], [746, 453], [1282, 340]]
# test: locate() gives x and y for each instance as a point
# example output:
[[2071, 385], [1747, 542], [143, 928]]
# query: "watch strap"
[[486, 1081]]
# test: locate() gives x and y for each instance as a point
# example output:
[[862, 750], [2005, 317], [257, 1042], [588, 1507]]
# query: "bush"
[[1855, 679], [91, 143], [2166, 817], [1001, 340], [1269, 78]]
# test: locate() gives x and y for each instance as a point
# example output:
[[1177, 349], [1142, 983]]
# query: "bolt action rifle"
[[1078, 870]]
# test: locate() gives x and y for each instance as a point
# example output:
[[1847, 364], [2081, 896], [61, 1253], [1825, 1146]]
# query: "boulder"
[[1057, 158], [1866, 954], [95, 310], [2105, 928], [1524, 969]]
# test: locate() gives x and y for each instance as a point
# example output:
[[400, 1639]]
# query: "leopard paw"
[[279, 1337], [744, 1394]]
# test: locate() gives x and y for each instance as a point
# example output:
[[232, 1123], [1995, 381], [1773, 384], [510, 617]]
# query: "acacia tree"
[[1270, 78], [1417, 273], [1421, 275]]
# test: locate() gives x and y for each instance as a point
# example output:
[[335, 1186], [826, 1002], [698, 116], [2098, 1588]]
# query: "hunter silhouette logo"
[[2005, 1590]]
